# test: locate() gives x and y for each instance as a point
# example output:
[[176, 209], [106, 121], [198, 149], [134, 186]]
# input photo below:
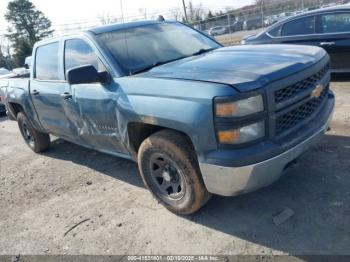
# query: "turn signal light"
[[228, 136], [243, 134], [225, 109]]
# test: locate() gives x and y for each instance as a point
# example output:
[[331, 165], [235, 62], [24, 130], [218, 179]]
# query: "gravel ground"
[[45, 195], [235, 38]]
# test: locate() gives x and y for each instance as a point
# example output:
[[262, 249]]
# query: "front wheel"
[[170, 170], [37, 141]]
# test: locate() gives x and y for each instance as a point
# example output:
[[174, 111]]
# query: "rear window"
[[46, 62], [335, 23], [302, 26]]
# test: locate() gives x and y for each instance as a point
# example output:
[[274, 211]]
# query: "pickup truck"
[[197, 117]]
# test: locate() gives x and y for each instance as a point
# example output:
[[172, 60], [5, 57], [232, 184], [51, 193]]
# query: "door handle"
[[66, 95], [327, 43], [35, 92]]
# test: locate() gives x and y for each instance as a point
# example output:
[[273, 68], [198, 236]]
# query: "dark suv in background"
[[328, 28], [252, 23]]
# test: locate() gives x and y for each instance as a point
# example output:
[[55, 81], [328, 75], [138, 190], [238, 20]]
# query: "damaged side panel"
[[93, 111], [174, 104], [16, 92]]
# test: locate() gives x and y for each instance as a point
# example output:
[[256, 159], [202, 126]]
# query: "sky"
[[63, 12]]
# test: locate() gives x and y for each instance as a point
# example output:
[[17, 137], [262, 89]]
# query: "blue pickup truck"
[[198, 118]]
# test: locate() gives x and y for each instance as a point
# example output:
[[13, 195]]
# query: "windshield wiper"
[[158, 63], [202, 51]]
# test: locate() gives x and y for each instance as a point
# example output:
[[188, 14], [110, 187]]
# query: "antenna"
[[122, 10]]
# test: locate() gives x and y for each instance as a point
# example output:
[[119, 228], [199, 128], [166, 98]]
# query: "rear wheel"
[[170, 170], [36, 140]]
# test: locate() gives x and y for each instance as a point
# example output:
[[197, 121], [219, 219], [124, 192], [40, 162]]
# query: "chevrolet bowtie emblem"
[[316, 93]]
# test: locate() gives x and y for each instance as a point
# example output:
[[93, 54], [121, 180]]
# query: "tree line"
[[27, 25]]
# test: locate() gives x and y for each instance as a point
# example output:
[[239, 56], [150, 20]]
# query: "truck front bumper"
[[230, 181]]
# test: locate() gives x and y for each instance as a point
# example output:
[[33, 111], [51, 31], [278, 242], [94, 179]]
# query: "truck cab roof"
[[119, 26]]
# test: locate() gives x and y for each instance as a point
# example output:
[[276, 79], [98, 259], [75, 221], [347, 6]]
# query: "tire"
[[37, 141], [170, 170]]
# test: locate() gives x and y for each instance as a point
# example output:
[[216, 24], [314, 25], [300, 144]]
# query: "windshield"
[[140, 48]]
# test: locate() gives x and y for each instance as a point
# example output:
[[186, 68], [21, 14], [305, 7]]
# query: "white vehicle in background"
[[4, 71], [21, 72], [328, 5], [270, 20], [218, 30]]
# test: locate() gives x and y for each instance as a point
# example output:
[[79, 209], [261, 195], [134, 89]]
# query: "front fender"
[[185, 106]]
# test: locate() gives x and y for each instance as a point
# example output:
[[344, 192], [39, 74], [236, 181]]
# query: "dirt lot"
[[235, 38], [43, 196]]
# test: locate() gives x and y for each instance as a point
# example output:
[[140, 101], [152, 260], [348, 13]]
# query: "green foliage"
[[27, 26], [23, 48], [2, 60]]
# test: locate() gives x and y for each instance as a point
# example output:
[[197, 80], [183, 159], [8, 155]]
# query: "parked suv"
[[252, 23], [198, 118]]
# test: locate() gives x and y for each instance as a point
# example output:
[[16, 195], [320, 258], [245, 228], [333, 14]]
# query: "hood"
[[243, 67]]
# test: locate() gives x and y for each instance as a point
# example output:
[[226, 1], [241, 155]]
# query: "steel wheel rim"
[[167, 177], [28, 137]]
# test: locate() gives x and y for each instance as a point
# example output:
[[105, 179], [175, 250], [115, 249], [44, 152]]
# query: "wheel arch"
[[137, 132], [14, 109]]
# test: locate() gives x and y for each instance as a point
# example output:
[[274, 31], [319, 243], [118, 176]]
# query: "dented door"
[[94, 112], [92, 108]]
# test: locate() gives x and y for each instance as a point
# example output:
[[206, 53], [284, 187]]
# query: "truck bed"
[[15, 91]]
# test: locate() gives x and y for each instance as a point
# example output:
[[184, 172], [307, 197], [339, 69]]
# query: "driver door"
[[93, 107]]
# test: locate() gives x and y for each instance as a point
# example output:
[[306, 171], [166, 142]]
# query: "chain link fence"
[[263, 14]]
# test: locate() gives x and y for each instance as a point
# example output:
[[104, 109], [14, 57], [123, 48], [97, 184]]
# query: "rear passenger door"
[[93, 107], [334, 31], [47, 86]]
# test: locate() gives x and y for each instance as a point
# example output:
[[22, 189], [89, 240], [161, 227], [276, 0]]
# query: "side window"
[[276, 31], [77, 53], [335, 23], [302, 26], [46, 62]]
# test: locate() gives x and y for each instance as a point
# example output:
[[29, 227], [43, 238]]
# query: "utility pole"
[[183, 3], [262, 13], [302, 4]]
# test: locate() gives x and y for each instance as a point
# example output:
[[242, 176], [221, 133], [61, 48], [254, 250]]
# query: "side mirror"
[[86, 74], [26, 66]]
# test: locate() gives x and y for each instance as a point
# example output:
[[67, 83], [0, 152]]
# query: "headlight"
[[240, 108], [243, 134]]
